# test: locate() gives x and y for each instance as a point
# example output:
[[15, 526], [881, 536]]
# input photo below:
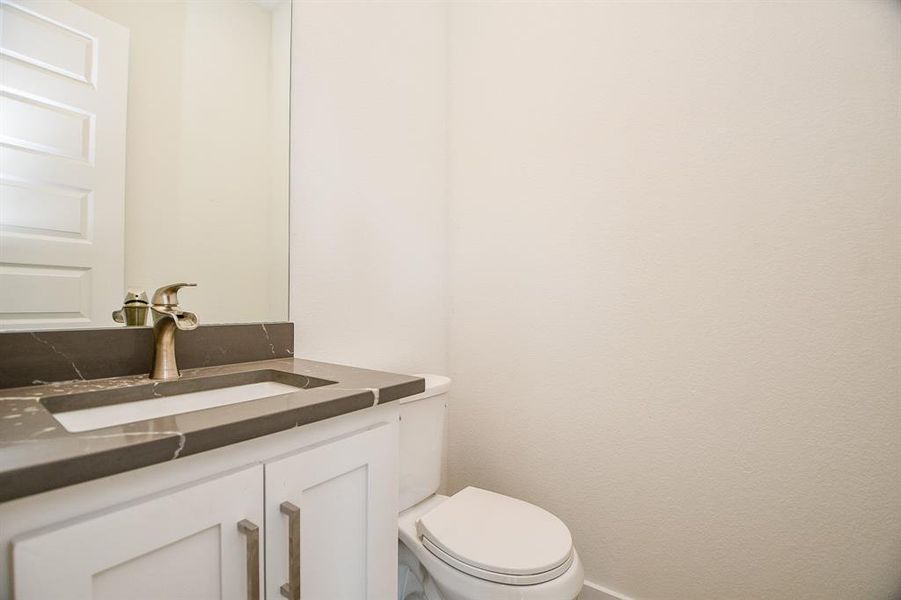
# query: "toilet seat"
[[497, 577], [497, 538]]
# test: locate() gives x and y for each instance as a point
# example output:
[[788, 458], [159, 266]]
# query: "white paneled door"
[[63, 91]]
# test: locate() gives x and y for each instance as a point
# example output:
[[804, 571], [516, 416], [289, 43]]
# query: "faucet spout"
[[167, 319], [183, 320]]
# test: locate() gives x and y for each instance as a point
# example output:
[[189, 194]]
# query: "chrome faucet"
[[167, 318]]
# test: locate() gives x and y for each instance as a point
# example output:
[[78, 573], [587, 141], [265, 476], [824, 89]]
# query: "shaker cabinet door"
[[331, 520], [185, 543]]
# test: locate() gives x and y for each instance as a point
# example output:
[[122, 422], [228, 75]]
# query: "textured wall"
[[675, 257], [368, 211]]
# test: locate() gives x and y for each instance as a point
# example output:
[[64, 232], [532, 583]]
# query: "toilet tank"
[[422, 441]]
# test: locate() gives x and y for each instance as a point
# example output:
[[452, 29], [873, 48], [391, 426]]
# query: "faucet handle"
[[168, 294]]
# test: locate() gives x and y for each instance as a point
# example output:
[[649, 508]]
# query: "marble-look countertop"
[[37, 454]]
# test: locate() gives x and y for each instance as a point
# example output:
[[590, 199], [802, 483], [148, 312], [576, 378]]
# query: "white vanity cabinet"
[[333, 482], [329, 517], [180, 544]]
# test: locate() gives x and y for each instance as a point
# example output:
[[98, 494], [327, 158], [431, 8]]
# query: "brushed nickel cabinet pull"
[[253, 558], [291, 590]]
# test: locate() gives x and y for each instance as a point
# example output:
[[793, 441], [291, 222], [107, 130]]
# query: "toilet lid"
[[496, 537]]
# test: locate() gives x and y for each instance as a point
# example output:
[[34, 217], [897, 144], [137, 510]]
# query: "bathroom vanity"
[[228, 499], [247, 475]]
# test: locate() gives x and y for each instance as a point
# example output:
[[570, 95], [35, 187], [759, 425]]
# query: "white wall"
[[368, 252], [207, 131], [675, 259], [674, 268]]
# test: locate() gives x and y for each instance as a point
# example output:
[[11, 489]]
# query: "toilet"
[[476, 544]]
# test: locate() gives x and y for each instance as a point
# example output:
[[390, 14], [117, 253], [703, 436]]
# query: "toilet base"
[[413, 581]]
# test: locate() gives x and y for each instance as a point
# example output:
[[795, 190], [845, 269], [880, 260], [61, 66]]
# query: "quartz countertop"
[[37, 454]]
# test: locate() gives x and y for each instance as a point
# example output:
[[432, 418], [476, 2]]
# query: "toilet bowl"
[[476, 544]]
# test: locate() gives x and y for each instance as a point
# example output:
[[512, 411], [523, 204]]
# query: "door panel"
[[63, 92], [340, 537], [182, 544], [139, 578], [35, 38], [346, 491]]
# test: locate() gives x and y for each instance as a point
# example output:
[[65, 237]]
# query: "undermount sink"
[[86, 411]]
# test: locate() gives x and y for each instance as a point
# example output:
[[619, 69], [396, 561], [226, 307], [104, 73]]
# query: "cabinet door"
[[182, 544], [340, 498]]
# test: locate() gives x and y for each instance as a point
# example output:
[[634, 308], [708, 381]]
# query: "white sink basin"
[[96, 409], [128, 412]]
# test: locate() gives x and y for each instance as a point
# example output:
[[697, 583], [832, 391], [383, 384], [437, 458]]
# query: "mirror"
[[143, 143]]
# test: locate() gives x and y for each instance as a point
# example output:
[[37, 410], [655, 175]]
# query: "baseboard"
[[593, 591]]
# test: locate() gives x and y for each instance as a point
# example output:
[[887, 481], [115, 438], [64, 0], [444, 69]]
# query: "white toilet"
[[476, 544]]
